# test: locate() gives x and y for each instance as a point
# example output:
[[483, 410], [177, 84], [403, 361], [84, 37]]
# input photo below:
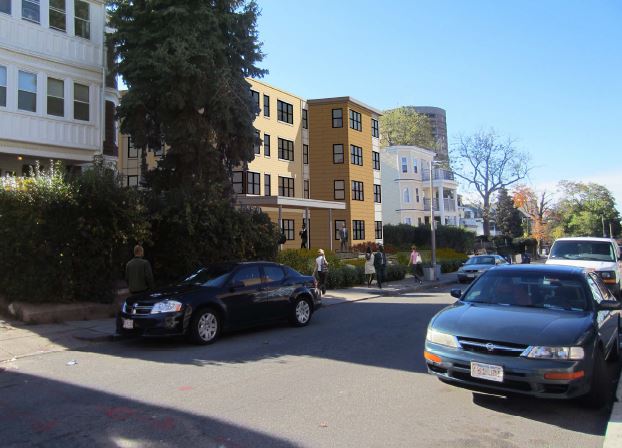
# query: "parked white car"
[[598, 254]]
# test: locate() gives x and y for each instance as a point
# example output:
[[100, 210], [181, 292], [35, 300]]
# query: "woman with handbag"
[[415, 261], [321, 270], [370, 271]]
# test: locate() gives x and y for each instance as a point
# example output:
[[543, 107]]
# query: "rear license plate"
[[128, 324], [486, 371]]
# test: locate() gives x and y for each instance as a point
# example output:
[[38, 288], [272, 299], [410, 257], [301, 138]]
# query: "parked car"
[[599, 254], [222, 297], [525, 258], [538, 330], [477, 265]]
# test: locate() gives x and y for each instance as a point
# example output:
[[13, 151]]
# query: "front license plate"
[[486, 371], [128, 324], [470, 275]]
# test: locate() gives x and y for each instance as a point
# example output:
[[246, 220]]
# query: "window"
[[80, 102], [375, 131], [305, 154], [286, 187], [306, 189], [266, 144], [273, 273], [56, 97], [339, 223], [132, 181], [27, 92], [404, 165], [378, 229], [357, 190], [305, 119], [337, 118], [358, 229], [266, 106], [356, 155], [132, 151], [255, 96], [237, 179], [83, 19], [267, 185], [377, 193], [247, 276], [253, 183], [337, 153], [406, 194], [30, 10], [58, 12], [257, 143], [417, 194], [375, 157], [339, 189], [285, 112], [2, 86], [418, 221], [5, 6], [288, 228], [355, 121], [286, 149], [415, 170], [408, 221]]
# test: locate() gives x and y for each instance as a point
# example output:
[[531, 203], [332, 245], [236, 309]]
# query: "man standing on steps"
[[138, 272], [343, 236], [380, 264]]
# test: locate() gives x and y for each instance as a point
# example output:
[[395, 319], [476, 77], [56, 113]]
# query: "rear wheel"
[[301, 312], [205, 326]]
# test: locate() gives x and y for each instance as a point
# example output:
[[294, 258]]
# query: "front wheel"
[[205, 326], [301, 312], [597, 397]]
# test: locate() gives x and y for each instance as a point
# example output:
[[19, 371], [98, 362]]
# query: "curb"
[[613, 435]]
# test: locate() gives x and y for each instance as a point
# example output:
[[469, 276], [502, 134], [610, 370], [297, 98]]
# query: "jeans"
[[380, 275], [321, 277]]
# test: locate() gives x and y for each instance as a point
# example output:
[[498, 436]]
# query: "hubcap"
[[303, 311], [208, 326]]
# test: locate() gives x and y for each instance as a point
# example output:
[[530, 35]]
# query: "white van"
[[599, 254]]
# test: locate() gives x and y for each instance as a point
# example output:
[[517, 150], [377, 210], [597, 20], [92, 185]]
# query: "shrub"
[[395, 272], [403, 236]]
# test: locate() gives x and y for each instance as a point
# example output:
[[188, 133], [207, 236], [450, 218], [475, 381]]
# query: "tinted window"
[[247, 276], [596, 292], [273, 273], [583, 250], [481, 260], [291, 272], [214, 275]]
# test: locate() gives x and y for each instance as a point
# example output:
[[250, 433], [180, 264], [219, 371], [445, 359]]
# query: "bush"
[[403, 236], [395, 272]]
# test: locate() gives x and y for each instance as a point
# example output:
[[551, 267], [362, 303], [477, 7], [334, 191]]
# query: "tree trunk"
[[486, 216]]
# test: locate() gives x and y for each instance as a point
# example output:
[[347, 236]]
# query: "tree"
[[507, 216], [538, 206], [185, 63], [488, 165], [404, 126]]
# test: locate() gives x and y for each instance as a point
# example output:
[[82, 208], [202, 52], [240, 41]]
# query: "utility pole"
[[432, 222]]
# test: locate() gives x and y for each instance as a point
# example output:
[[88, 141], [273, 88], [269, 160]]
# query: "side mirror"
[[457, 293], [609, 305]]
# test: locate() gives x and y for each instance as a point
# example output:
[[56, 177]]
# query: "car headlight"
[[166, 306], [607, 275], [564, 353], [438, 337]]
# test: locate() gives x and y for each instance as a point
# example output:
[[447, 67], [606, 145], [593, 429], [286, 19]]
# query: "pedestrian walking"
[[138, 272], [303, 237], [415, 261], [320, 270], [380, 265], [370, 271], [343, 237]]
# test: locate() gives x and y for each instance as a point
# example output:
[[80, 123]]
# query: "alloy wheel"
[[208, 327], [303, 312]]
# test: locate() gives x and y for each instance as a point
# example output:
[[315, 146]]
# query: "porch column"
[[441, 204]]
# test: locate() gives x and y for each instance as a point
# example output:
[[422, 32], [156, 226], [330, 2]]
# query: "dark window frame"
[[257, 143], [286, 150], [358, 229], [339, 223], [305, 119], [356, 120], [356, 155], [54, 11], [27, 93], [342, 190], [266, 145], [378, 193], [285, 112], [130, 148], [286, 187], [335, 154], [267, 185], [55, 98], [78, 111], [305, 154], [3, 87], [7, 8], [375, 157], [306, 189], [378, 229], [132, 176], [358, 191], [266, 105], [237, 180], [253, 183], [288, 226], [375, 129], [337, 121], [78, 19], [255, 96]]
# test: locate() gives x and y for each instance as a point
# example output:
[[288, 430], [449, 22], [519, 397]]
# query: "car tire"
[[205, 326], [301, 312], [597, 396]]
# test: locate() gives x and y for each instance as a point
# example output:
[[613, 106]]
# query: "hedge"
[[403, 236]]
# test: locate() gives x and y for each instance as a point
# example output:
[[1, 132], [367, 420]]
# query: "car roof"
[[551, 269], [585, 238]]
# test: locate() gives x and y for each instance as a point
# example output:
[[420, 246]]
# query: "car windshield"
[[583, 250], [213, 275], [481, 260], [529, 289]]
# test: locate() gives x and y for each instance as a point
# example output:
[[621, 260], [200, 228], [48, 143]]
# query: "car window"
[[481, 260], [583, 250], [247, 276], [291, 272], [273, 273], [599, 290], [214, 275]]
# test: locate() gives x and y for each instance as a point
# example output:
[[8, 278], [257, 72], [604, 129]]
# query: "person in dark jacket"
[[138, 272], [380, 265]]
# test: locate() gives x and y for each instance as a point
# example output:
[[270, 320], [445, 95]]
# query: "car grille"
[[491, 347], [138, 309]]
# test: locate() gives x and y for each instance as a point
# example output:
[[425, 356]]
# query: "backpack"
[[324, 265]]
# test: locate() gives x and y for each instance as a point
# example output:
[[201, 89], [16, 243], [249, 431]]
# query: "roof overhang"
[[344, 99], [287, 202]]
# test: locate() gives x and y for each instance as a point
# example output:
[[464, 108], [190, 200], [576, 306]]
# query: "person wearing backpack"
[[321, 270], [380, 265]]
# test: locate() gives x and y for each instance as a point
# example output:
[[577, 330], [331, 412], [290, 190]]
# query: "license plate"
[[128, 324], [486, 371], [470, 275]]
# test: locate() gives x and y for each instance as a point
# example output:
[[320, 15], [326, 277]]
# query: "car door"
[[607, 320], [278, 291], [243, 299]]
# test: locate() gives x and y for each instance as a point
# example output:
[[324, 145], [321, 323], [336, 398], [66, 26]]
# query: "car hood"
[[476, 267], [595, 265], [169, 292], [513, 324]]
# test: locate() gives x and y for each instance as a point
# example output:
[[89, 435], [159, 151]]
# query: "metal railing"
[[426, 204], [439, 173]]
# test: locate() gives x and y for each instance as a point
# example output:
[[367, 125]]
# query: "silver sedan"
[[477, 265]]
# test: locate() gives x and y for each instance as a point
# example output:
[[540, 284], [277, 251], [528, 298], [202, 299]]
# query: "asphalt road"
[[355, 377]]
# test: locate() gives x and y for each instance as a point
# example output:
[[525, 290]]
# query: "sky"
[[546, 73]]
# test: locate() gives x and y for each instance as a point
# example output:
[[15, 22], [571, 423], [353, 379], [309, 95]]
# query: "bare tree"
[[489, 165]]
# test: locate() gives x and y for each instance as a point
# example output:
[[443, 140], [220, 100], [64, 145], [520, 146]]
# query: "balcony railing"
[[449, 204], [426, 204], [439, 173]]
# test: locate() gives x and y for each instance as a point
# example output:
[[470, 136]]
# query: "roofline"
[[275, 88], [343, 99], [415, 147]]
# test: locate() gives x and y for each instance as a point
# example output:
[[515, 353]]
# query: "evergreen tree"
[[508, 217]]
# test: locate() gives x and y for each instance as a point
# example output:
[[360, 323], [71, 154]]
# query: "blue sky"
[[548, 73]]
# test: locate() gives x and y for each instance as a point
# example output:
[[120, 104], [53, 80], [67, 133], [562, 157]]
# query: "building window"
[[415, 169], [132, 181], [417, 194], [358, 229], [408, 221], [82, 19], [58, 13], [255, 96], [288, 228], [337, 153], [355, 121], [2, 86], [285, 112], [339, 223], [237, 179], [375, 131], [404, 165], [356, 155], [31, 10], [357, 191], [80, 102], [286, 186], [375, 157], [377, 193], [337, 118], [266, 106], [266, 144], [257, 143], [418, 221], [132, 151], [406, 194], [305, 154], [56, 97], [5, 6], [378, 229], [267, 185], [27, 92], [252, 183], [286, 149], [306, 189], [305, 119], [339, 189]]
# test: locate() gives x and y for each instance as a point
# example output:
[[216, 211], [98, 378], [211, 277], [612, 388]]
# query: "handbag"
[[418, 260]]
